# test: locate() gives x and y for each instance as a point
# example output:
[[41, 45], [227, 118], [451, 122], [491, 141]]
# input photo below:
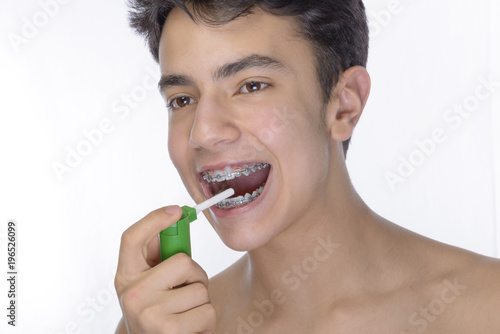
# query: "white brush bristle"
[[214, 200]]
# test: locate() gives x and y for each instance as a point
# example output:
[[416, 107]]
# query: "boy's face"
[[246, 93]]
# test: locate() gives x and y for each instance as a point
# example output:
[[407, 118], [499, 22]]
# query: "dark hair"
[[336, 29]]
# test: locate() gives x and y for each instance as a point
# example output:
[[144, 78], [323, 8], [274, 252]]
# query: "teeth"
[[240, 200], [229, 174]]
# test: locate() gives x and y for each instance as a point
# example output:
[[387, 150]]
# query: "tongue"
[[243, 184]]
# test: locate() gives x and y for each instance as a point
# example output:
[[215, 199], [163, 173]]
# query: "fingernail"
[[173, 209]]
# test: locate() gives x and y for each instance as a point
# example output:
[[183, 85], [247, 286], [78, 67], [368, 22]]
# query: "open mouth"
[[248, 182]]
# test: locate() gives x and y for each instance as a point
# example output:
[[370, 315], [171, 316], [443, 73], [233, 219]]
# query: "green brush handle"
[[176, 239]]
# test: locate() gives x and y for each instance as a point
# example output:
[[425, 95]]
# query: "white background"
[[75, 70]]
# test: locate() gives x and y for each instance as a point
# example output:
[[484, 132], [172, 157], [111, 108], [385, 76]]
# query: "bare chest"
[[419, 315]]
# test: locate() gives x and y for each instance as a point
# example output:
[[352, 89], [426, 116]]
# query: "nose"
[[213, 125]]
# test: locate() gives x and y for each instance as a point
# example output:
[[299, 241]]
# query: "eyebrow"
[[252, 61], [224, 71], [172, 80]]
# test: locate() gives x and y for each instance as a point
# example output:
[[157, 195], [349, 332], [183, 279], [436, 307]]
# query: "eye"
[[180, 102], [253, 86]]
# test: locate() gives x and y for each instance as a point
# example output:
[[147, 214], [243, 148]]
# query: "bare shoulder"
[[480, 273], [480, 277], [467, 290]]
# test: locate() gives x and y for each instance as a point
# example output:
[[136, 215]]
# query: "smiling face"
[[245, 112]]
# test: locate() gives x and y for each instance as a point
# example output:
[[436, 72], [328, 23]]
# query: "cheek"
[[275, 125], [287, 126], [300, 145]]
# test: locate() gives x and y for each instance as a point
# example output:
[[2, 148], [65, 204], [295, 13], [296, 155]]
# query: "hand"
[[167, 297]]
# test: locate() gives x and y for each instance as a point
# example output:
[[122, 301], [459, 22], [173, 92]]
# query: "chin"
[[243, 241]]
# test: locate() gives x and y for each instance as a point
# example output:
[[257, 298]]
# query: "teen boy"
[[263, 97]]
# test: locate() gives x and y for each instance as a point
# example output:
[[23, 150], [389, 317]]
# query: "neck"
[[323, 257]]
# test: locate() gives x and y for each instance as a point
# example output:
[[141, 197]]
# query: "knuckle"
[[183, 259], [152, 319], [148, 317], [173, 325], [210, 312], [118, 283], [200, 291], [204, 276], [130, 299], [127, 237]]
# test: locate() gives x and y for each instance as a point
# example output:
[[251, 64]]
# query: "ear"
[[347, 102]]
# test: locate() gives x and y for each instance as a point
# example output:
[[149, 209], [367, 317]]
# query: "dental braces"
[[229, 174], [240, 200]]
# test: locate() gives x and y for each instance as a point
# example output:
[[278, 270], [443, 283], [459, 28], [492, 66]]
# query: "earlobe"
[[345, 108]]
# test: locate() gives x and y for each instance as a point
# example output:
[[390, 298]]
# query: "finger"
[[183, 299], [153, 257], [178, 270], [199, 319], [133, 248], [154, 320]]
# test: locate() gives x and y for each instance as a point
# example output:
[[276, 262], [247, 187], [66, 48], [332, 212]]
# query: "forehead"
[[186, 44]]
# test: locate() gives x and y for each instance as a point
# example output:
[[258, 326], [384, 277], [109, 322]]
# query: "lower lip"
[[241, 209]]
